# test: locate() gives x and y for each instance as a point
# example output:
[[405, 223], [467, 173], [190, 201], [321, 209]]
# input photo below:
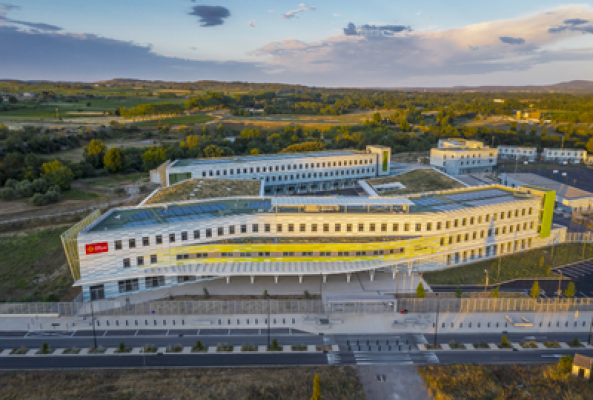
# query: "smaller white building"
[[517, 152], [461, 157], [573, 156]]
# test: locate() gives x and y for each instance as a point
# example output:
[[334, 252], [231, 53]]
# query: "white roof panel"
[[341, 201]]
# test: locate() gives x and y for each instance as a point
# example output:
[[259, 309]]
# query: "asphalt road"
[[512, 337], [81, 339], [505, 357], [168, 360]]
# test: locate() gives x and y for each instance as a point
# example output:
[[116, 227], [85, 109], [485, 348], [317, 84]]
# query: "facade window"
[[395, 227], [406, 227], [372, 227], [183, 235], [255, 228], [348, 227], [438, 226], [279, 228], [154, 281], [186, 278], [208, 232], [418, 227], [140, 260], [231, 229], [126, 263], [456, 223], [428, 226], [171, 238], [325, 227], [220, 231], [118, 245], [153, 259], [159, 239], [360, 227], [201, 255], [383, 227], [448, 224], [290, 227], [267, 227], [196, 234], [132, 243], [338, 227], [264, 254], [288, 254], [302, 228], [129, 285], [313, 227], [464, 221]]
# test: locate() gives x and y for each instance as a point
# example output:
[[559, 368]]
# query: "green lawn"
[[26, 258], [190, 119], [74, 194], [521, 265]]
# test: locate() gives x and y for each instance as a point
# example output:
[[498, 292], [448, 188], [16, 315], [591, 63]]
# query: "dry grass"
[[199, 383], [418, 181], [210, 188], [504, 381]]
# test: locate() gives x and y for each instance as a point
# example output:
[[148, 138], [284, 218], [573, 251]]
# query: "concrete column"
[[324, 278], [300, 278], [411, 283], [348, 277], [252, 278], [372, 274], [396, 281], [228, 279], [275, 278]]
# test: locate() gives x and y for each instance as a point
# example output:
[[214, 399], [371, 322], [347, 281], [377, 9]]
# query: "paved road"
[[138, 338], [513, 337], [506, 357], [169, 360]]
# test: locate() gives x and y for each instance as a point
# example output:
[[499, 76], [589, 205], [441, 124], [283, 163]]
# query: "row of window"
[[132, 285], [252, 170], [320, 174], [292, 254], [488, 251], [338, 227], [500, 230]]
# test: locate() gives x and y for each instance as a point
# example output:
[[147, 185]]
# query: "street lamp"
[[436, 325], [268, 297], [93, 316]]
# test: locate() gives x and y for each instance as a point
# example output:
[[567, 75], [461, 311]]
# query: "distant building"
[[517, 152], [573, 156], [498, 100], [529, 115], [460, 157]]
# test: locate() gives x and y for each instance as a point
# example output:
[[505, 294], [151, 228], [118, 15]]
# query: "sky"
[[330, 43]]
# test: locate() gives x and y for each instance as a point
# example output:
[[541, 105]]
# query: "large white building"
[[573, 156], [286, 173], [133, 249], [461, 157], [518, 152]]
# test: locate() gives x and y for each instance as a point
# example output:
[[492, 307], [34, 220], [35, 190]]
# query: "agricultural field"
[[185, 120], [505, 381], [278, 383], [33, 267], [527, 264]]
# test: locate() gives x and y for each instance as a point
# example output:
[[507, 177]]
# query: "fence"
[[228, 307], [494, 305]]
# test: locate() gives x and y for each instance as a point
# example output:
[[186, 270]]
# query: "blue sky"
[[327, 43]]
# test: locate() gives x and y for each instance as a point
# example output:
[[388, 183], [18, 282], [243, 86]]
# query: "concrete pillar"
[[324, 278], [348, 277], [275, 278], [393, 272], [252, 278], [411, 283], [372, 274], [300, 278], [228, 279]]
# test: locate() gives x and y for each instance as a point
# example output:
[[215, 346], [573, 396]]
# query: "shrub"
[[7, 194], [307, 295], [575, 342], [504, 342], [265, 294], [248, 347], [122, 348], [206, 293], [198, 346], [149, 348], [274, 346], [316, 388]]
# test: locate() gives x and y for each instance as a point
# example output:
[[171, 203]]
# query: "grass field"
[[527, 264], [278, 383], [418, 181], [190, 119], [504, 381], [33, 266]]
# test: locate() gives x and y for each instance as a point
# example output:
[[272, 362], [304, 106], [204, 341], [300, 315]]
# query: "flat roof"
[[263, 157], [203, 188], [561, 189], [341, 201], [417, 181]]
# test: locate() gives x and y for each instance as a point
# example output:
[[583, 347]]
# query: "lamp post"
[[560, 283], [93, 318], [269, 312], [436, 325], [590, 328]]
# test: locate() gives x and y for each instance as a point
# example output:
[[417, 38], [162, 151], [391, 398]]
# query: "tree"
[[535, 290], [153, 157], [377, 118], [113, 160], [190, 141], [12, 100], [570, 291], [94, 153], [404, 125], [204, 129], [544, 132], [316, 388], [458, 292], [7, 194], [305, 146], [495, 292], [590, 145], [213, 151], [254, 152], [420, 291]]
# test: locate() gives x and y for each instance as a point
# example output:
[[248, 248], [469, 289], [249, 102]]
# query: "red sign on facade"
[[95, 248]]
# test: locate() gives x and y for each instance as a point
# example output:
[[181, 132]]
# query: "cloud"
[[211, 15], [575, 21], [400, 54], [293, 13], [251, 23], [6, 8], [512, 40], [374, 30], [419, 12], [86, 57], [271, 11]]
